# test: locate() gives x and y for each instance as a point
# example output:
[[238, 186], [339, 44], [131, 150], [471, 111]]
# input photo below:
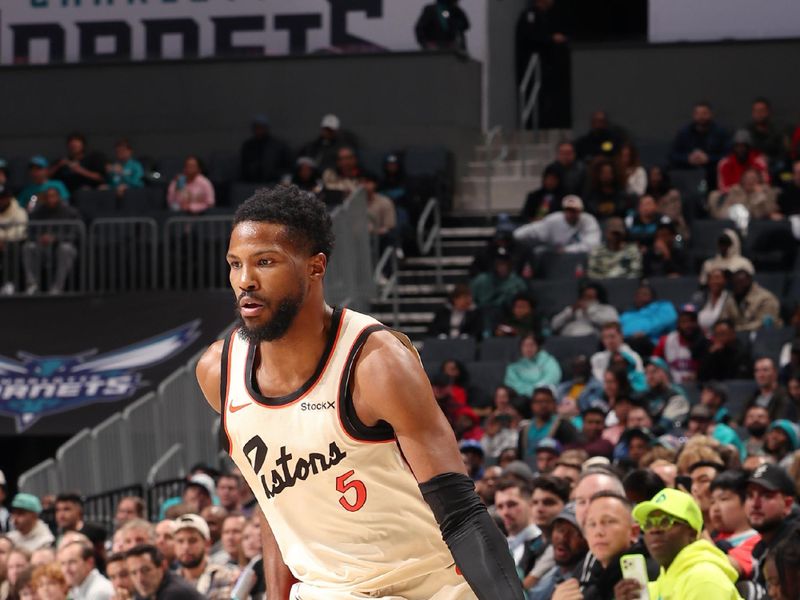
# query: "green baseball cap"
[[27, 502], [672, 502]]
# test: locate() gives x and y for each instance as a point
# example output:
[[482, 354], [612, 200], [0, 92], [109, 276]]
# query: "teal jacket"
[[654, 320], [527, 373]]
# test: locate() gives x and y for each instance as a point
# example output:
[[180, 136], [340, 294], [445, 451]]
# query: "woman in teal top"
[[536, 367]]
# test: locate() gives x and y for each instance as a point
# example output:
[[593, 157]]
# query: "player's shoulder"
[[209, 373], [386, 353]]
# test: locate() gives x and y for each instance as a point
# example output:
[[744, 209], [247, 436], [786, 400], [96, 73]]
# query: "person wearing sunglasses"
[[691, 568]]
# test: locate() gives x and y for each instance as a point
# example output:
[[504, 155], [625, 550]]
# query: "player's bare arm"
[[278, 577], [391, 386]]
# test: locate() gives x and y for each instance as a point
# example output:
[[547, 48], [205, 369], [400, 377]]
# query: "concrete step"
[[405, 318], [424, 289], [507, 194], [462, 247], [428, 276], [507, 168], [449, 233], [432, 261]]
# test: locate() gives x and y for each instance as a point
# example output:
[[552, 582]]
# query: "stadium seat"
[[560, 265], [565, 347], [678, 290], [769, 341], [705, 233], [770, 245], [241, 191], [168, 167], [499, 348], [223, 167], [135, 201], [372, 160], [90, 203], [553, 296], [485, 376], [620, 292], [427, 160], [739, 392], [690, 183], [774, 282], [440, 350]]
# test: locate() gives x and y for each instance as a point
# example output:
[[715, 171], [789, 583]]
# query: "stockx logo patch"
[[38, 386]]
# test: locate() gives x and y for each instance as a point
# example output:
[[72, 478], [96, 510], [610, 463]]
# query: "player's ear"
[[317, 265]]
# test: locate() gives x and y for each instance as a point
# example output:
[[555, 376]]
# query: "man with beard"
[[665, 403], [768, 505], [192, 540], [327, 412], [513, 503], [232, 531], [770, 394], [781, 441], [611, 532], [683, 348], [756, 422], [569, 548]]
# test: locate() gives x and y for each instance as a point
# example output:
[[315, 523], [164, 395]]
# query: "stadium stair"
[[419, 296]]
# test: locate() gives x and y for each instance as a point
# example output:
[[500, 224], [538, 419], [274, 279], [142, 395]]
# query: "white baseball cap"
[[330, 121], [195, 522]]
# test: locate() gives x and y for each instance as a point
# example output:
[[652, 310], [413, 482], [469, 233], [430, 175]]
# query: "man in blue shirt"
[[39, 183]]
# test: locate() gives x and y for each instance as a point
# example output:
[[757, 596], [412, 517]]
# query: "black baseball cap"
[[568, 514], [774, 479]]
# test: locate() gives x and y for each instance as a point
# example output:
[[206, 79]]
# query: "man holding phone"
[[691, 568]]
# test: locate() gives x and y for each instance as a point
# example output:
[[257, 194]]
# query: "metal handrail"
[[529, 102], [389, 286], [174, 450], [490, 137], [434, 236]]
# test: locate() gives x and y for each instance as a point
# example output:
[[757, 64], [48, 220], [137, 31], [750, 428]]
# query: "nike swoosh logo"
[[234, 409]]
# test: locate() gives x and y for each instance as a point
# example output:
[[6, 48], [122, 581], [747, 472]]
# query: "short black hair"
[[705, 103], [303, 215], [72, 497], [115, 557], [555, 485], [719, 467], [76, 135], [149, 550], [509, 481], [644, 482], [731, 480], [762, 100]]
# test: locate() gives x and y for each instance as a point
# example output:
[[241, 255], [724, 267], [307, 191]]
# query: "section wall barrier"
[[144, 428], [40, 480], [194, 252], [160, 491], [171, 465], [77, 464], [123, 255], [112, 446], [101, 508]]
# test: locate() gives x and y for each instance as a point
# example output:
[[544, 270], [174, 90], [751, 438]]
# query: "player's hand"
[[569, 590], [627, 589]]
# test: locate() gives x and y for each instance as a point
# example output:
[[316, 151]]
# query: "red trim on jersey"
[[313, 384], [227, 390]]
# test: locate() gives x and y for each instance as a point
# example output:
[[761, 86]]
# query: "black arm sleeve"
[[477, 546]]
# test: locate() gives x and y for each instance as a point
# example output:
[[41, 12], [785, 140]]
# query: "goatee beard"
[[277, 326]]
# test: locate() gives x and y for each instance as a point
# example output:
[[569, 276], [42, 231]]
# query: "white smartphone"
[[635, 567]]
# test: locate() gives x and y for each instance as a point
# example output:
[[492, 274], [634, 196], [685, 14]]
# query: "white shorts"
[[442, 585]]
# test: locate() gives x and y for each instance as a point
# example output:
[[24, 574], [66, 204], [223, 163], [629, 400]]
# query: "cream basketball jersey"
[[342, 503]]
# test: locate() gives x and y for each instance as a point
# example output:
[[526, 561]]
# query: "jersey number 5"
[[343, 486]]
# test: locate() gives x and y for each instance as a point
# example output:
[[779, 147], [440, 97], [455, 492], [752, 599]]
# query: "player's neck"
[[305, 341]]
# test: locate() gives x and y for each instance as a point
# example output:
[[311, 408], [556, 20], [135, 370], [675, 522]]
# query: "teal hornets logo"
[[33, 386]]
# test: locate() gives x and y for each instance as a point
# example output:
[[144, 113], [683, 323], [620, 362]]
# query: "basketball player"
[[331, 419]]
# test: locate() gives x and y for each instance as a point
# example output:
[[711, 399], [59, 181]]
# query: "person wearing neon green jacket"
[[691, 568]]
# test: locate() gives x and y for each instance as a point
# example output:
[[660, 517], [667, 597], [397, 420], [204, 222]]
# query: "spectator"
[[613, 343], [499, 434], [727, 356], [487, 486], [642, 225], [152, 580], [442, 26], [593, 423], [702, 474], [467, 428], [325, 148], [442, 387], [789, 199], [521, 320], [650, 318], [77, 563], [587, 315], [125, 172], [665, 403], [498, 288], [782, 567], [191, 191], [601, 140], [630, 166], [199, 492], [683, 348], [701, 144], [568, 230], [192, 541], [512, 499], [753, 306], [542, 31], [128, 508], [758, 198], [666, 257], [690, 567], [548, 451], [306, 175], [734, 535], [714, 395], [768, 505], [38, 175], [117, 572], [79, 168], [641, 484], [592, 481], [569, 550], [550, 495], [571, 172], [545, 423], [136, 532], [18, 563], [610, 533], [346, 176], [69, 517], [535, 367], [264, 158], [381, 213], [457, 318], [49, 583], [770, 394], [232, 530], [582, 389], [57, 242], [729, 256], [13, 230], [30, 532], [607, 196], [615, 259], [717, 300], [765, 135], [165, 541], [668, 199], [743, 157], [545, 200], [214, 516], [783, 439], [227, 492]]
